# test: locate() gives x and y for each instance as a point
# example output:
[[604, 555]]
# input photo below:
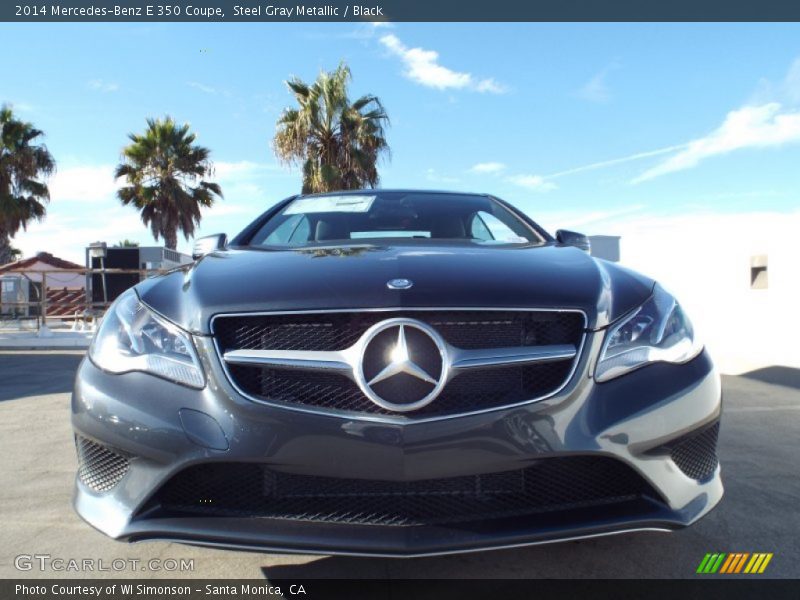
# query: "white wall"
[[705, 261]]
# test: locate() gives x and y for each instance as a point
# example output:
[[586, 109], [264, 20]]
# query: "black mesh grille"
[[99, 468], [470, 390], [696, 453], [337, 331], [251, 490]]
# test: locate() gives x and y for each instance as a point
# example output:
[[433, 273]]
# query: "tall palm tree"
[[23, 165], [338, 143], [165, 175]]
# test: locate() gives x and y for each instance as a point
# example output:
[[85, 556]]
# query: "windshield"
[[378, 217]]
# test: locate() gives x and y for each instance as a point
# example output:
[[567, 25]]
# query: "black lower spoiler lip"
[[303, 537]]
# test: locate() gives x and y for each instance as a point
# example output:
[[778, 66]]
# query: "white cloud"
[[596, 89], [422, 66], [207, 89], [760, 124], [491, 86], [18, 107], [433, 175], [586, 221], [224, 209], [616, 161], [488, 168], [103, 86], [786, 91], [96, 183], [243, 169], [791, 83], [202, 87], [67, 233], [69, 226], [748, 127], [83, 184], [363, 32], [244, 180], [536, 183]]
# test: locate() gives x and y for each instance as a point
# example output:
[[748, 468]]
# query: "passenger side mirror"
[[208, 244], [573, 238]]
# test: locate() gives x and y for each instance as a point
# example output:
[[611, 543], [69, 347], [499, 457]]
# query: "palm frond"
[[24, 163], [166, 171], [338, 143]]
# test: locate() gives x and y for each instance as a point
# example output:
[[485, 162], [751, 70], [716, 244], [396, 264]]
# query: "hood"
[[548, 276]]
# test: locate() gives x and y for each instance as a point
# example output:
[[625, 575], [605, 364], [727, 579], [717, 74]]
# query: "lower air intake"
[[251, 490]]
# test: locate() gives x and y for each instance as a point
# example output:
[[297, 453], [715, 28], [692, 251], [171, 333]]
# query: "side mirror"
[[208, 244], [573, 238]]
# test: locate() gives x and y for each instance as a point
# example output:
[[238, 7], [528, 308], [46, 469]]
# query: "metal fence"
[[47, 304]]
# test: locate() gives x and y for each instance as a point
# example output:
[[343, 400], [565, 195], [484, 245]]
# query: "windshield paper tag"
[[323, 204]]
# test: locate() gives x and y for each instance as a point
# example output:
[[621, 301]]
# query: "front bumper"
[[163, 429]]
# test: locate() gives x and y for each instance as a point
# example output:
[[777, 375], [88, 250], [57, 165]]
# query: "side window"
[[293, 230], [478, 229], [301, 233], [486, 227]]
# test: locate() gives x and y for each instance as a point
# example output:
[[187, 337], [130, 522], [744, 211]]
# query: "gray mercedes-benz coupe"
[[395, 373]]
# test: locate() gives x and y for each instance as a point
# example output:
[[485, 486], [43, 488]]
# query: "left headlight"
[[657, 331], [133, 338]]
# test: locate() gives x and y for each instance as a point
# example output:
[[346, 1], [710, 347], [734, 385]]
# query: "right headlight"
[[657, 331], [134, 338]]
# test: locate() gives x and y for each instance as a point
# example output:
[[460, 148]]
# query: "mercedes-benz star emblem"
[[404, 364], [399, 284]]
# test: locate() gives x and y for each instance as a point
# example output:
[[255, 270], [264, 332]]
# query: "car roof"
[[389, 190]]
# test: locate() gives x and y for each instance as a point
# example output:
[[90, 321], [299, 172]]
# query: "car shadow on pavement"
[[785, 376], [28, 373]]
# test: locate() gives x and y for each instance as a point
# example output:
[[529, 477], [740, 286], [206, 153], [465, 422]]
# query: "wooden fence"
[[63, 303]]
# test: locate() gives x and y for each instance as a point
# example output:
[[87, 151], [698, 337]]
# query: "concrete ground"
[[759, 447]]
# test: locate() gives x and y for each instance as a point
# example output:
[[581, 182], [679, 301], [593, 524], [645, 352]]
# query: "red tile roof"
[[45, 257]]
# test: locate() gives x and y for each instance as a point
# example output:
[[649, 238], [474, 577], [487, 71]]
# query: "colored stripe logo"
[[734, 562]]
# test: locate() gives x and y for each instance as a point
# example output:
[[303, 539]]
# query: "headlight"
[[657, 331], [133, 338]]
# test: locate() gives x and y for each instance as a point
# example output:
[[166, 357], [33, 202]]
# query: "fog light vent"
[[696, 453], [99, 468]]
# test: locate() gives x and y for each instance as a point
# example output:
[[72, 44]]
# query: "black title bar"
[[399, 10], [420, 589]]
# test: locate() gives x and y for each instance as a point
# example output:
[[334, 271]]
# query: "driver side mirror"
[[573, 238], [208, 244]]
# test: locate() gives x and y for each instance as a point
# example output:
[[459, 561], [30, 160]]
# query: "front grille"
[[337, 331], [468, 391], [99, 468], [252, 490], [696, 453]]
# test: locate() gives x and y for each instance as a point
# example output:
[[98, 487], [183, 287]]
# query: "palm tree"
[[165, 175], [23, 165], [337, 143]]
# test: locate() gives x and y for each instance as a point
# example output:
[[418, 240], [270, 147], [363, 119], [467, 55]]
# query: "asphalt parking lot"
[[759, 448]]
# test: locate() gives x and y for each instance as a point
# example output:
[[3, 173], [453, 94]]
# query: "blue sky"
[[580, 125]]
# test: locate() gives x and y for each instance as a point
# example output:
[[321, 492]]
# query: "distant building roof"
[[43, 257]]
